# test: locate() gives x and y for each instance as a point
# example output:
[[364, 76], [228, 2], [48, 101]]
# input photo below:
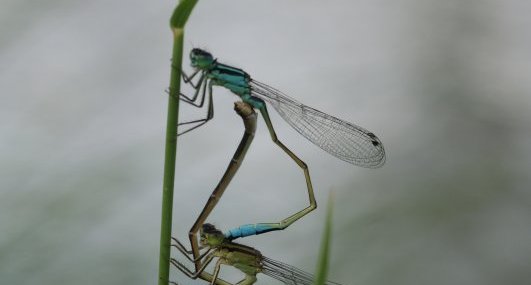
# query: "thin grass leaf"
[[321, 271], [182, 13]]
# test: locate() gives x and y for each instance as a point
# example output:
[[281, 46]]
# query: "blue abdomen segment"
[[249, 230]]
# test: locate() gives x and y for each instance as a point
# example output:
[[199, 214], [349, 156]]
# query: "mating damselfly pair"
[[344, 140]]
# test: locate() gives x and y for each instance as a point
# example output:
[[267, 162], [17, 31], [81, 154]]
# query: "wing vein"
[[341, 139]]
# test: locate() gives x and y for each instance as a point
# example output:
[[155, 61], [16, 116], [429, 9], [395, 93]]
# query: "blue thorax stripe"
[[229, 70]]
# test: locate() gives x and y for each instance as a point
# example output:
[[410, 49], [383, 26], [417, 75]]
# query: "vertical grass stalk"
[[321, 271], [177, 23]]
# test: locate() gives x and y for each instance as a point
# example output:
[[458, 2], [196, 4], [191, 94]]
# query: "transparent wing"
[[341, 139], [288, 274]]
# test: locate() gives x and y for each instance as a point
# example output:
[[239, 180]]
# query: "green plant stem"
[[177, 23], [324, 251]]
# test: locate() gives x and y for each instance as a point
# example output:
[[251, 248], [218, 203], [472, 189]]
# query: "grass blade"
[[321, 271]]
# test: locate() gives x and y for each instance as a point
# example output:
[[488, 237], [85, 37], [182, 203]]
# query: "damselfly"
[[247, 259], [344, 140]]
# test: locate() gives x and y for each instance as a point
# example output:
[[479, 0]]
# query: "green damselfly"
[[342, 139], [247, 259]]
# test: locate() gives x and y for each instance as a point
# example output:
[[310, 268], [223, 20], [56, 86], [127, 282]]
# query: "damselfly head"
[[201, 59], [210, 236]]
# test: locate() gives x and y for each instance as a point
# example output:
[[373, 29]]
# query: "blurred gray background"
[[444, 84]]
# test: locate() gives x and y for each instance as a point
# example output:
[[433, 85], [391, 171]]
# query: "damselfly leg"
[[200, 122]]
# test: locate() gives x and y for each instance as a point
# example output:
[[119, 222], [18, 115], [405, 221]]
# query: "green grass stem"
[[177, 22], [321, 271]]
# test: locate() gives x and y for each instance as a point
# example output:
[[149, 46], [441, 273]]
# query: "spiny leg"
[[216, 271], [210, 114], [248, 280], [201, 84], [249, 119], [256, 229], [208, 277], [188, 79], [187, 252], [178, 244], [201, 273], [190, 273]]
